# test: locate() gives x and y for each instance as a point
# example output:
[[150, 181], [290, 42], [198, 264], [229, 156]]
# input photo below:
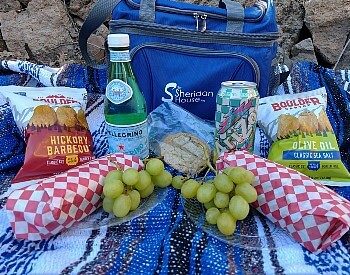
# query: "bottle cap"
[[118, 40]]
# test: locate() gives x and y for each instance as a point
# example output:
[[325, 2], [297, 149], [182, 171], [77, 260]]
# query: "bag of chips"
[[302, 136], [53, 123]]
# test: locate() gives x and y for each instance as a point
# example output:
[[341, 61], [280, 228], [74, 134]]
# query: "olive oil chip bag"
[[302, 136]]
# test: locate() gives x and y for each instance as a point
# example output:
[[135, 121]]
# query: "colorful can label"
[[129, 139], [236, 116], [117, 91]]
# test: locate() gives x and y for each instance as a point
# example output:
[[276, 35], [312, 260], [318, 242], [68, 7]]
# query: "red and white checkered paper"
[[314, 215], [46, 208]]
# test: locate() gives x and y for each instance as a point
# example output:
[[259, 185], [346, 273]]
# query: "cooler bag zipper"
[[199, 51], [153, 29]]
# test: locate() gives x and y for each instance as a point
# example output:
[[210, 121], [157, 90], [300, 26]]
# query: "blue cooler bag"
[[181, 52]]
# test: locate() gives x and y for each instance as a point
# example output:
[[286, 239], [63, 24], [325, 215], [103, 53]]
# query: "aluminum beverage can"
[[236, 116]]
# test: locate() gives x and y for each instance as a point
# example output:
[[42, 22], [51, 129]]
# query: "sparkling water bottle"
[[125, 106]]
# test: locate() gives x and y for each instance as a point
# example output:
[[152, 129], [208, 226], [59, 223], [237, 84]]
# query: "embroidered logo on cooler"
[[178, 95], [117, 91]]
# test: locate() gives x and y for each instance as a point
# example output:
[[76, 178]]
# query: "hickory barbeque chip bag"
[[302, 136], [53, 123]]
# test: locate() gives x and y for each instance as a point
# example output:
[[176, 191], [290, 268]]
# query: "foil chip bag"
[[302, 136], [53, 124]]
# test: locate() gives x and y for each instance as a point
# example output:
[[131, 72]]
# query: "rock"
[[329, 24], [2, 45], [9, 5], [345, 59], [97, 48], [81, 8], [43, 31], [24, 2], [304, 50], [290, 17]]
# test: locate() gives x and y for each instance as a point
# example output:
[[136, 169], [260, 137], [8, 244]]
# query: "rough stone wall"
[[46, 31]]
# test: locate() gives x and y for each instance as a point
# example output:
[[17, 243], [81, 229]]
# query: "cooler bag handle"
[[235, 14], [100, 12]]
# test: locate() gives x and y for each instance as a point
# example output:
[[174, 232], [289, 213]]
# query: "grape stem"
[[206, 174], [208, 161], [207, 158], [128, 189], [117, 165]]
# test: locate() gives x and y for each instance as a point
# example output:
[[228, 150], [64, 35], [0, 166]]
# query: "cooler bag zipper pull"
[[203, 18], [196, 16], [204, 22]]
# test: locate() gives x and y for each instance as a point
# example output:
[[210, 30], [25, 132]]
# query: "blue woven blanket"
[[165, 240]]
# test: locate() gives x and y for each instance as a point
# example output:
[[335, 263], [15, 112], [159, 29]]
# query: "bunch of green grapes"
[[226, 198], [123, 191]]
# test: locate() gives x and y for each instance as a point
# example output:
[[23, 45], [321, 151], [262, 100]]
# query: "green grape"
[[113, 189], [223, 183], [239, 175], [131, 176], [114, 175], [135, 199], [226, 224], [225, 210], [121, 206], [163, 179], [178, 181], [212, 215], [147, 191], [107, 205], [221, 200], [154, 167], [247, 191], [189, 188], [144, 180], [227, 170], [206, 192], [239, 208], [209, 204]]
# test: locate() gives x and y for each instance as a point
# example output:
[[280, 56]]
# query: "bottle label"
[[117, 91], [119, 56], [129, 139]]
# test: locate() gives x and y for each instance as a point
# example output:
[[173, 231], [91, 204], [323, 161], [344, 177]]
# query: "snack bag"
[[53, 124], [302, 136]]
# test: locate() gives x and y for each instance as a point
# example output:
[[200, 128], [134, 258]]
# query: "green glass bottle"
[[125, 107]]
